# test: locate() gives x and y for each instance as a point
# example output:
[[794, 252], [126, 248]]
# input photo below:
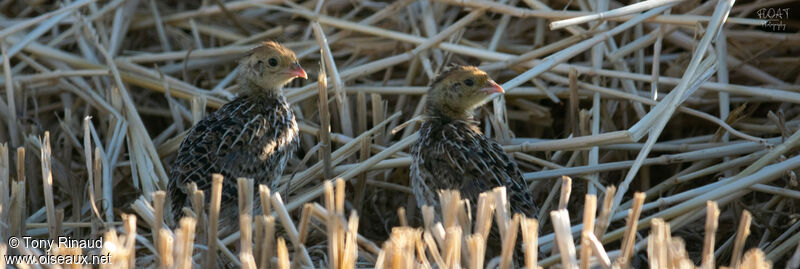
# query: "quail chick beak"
[[492, 87], [298, 71]]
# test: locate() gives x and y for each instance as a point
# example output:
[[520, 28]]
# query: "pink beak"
[[492, 87], [298, 71]]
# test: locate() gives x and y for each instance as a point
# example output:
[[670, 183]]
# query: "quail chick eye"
[[273, 62], [468, 82]]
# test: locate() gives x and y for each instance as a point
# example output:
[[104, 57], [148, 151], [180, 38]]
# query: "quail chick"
[[452, 153], [252, 136]]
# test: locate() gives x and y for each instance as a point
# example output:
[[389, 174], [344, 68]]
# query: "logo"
[[773, 18]]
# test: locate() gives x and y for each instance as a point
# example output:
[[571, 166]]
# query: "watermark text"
[[773, 18]]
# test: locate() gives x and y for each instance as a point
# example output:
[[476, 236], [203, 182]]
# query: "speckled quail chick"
[[252, 136], [452, 152]]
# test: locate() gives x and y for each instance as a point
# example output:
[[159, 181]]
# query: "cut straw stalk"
[[338, 84], [364, 151], [305, 218], [564, 238], [450, 203], [351, 243], [165, 249], [452, 247], [625, 10], [268, 249], [630, 231], [99, 171], [129, 222], [332, 225], [589, 211], [566, 190], [530, 238], [158, 213], [597, 62], [185, 237], [265, 195], [483, 218], [656, 246], [509, 241], [213, 219], [501, 210], [10, 99], [741, 236], [477, 250], [47, 183], [324, 131], [283, 254], [246, 251], [5, 201], [198, 206], [245, 190], [712, 217], [18, 192]]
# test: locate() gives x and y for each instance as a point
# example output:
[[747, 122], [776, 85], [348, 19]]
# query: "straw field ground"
[[659, 133]]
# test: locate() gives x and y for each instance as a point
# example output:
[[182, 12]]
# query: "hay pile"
[[98, 94]]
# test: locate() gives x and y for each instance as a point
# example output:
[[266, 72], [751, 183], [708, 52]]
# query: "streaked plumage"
[[452, 153], [253, 136]]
